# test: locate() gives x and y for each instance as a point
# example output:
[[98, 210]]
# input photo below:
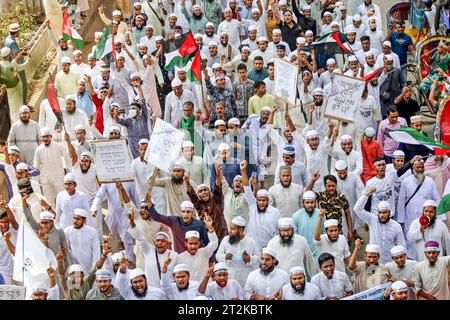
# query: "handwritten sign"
[[165, 146], [112, 160], [12, 292], [285, 86], [344, 96], [375, 293]]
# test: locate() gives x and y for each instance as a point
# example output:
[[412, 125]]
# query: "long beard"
[[333, 240], [384, 222], [419, 176], [234, 239], [286, 241], [177, 180], [182, 289], [286, 184], [298, 291], [25, 121], [432, 221], [263, 210], [72, 111], [268, 271], [139, 295]]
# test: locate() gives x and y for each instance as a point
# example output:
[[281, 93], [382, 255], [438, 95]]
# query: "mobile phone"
[[254, 174], [24, 186]]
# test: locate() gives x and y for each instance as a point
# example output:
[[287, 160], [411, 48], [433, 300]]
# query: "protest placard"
[[375, 293], [165, 146], [344, 96], [285, 86], [112, 160], [12, 292]]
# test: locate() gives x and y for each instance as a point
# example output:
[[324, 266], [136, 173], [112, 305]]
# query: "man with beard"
[[292, 249], [306, 21], [316, 118], [16, 170], [73, 116], [210, 35], [347, 153], [238, 251], [297, 168], [376, 36], [81, 144], [134, 286], [299, 288], [195, 166], [66, 80], [333, 284], [176, 191], [118, 93], [366, 6], [286, 195], [366, 51], [182, 288], [263, 218], [263, 51], [225, 50], [287, 140], [430, 276], [414, 191], [62, 48], [24, 134], [264, 282], [83, 98], [251, 41], [398, 160], [174, 100], [235, 65], [104, 290], [352, 42], [84, 245], [392, 87], [331, 242], [197, 20], [383, 231], [234, 201], [85, 174], [232, 27], [401, 268], [221, 288], [368, 273], [211, 139], [229, 166], [399, 291], [420, 231]]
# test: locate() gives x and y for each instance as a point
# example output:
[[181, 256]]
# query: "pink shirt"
[[389, 145]]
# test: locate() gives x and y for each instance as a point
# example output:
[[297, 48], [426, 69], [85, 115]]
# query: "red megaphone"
[[424, 221]]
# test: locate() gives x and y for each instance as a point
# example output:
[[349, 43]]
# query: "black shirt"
[[408, 109], [307, 24], [290, 35]]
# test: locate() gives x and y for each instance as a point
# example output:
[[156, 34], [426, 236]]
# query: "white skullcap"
[[201, 186], [79, 127], [398, 154], [46, 131], [341, 165], [46, 215], [262, 193], [346, 137], [187, 205], [216, 65], [136, 273], [311, 134], [356, 17], [372, 18], [13, 149], [309, 33], [40, 287], [309, 195], [172, 15], [22, 166], [149, 26], [297, 269], [300, 40], [282, 2], [246, 48], [180, 268], [178, 165], [255, 10], [80, 212], [352, 59], [252, 28], [265, 109], [77, 52], [24, 108], [196, 6], [262, 39], [234, 121], [176, 82], [114, 128], [212, 44], [276, 31], [369, 132], [98, 34], [159, 38], [137, 4], [239, 221], [135, 75], [307, 7], [338, 4], [143, 141], [91, 56], [368, 53], [209, 24], [187, 144], [285, 223], [116, 13], [342, 7], [237, 177], [318, 92], [70, 177], [5, 52], [219, 122], [220, 267], [66, 60], [397, 251], [71, 97], [429, 203], [334, 23], [198, 35], [116, 257], [75, 268], [331, 61], [384, 205], [415, 119], [269, 251], [330, 223], [389, 57], [327, 13], [373, 248], [227, 9], [116, 41], [398, 286], [350, 29], [103, 274], [223, 33], [387, 43]]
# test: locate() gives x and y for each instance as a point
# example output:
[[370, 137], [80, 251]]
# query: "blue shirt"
[[84, 103], [400, 44], [305, 225]]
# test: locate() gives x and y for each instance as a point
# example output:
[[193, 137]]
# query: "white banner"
[[344, 97], [375, 293], [285, 85], [12, 292], [112, 160], [165, 145]]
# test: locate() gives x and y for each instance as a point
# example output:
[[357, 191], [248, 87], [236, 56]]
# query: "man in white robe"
[[298, 169], [47, 117], [154, 13], [196, 168], [298, 288], [347, 153], [398, 160], [133, 285], [401, 269], [183, 288], [221, 288], [286, 195]]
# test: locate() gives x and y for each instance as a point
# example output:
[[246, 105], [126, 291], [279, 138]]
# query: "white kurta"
[[196, 169], [286, 200], [123, 284], [339, 249], [232, 290], [334, 287], [65, 206], [174, 106], [353, 159], [403, 273], [311, 292], [26, 137], [47, 117], [298, 171], [384, 190], [33, 202], [265, 285], [261, 226], [84, 246], [6, 258], [351, 187], [234, 29], [11, 172], [86, 182], [397, 184], [172, 291], [433, 279], [72, 120]]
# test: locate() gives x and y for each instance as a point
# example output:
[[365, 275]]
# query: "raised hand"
[[131, 219], [106, 247], [316, 176], [370, 190], [243, 165], [51, 272], [61, 254], [209, 223], [358, 243], [210, 271], [167, 261]]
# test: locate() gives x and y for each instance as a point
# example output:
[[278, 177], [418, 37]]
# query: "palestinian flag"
[[53, 101], [105, 45], [70, 33], [194, 73], [412, 136], [373, 74], [444, 205], [181, 56], [330, 43]]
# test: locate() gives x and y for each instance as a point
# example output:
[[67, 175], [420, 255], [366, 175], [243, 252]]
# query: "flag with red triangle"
[[69, 33], [373, 74], [181, 56], [53, 100]]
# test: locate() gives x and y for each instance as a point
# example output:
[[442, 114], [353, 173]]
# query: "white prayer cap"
[[219, 122], [397, 251], [296, 270], [429, 203], [269, 251], [13, 149], [116, 13], [70, 177], [330, 223], [300, 40], [289, 150], [196, 6], [368, 53], [14, 27], [265, 109], [71, 97], [75, 268], [22, 166], [399, 286], [276, 31], [415, 119], [119, 55], [350, 29], [387, 43], [342, 8], [227, 9], [178, 165], [373, 248], [198, 35], [282, 3], [40, 287], [341, 165], [262, 39], [384, 205], [309, 33], [114, 129], [356, 17], [176, 82], [187, 206], [149, 26], [318, 92], [262, 193], [46, 132], [137, 272], [136, 4], [352, 59], [209, 24], [187, 144], [246, 48], [239, 221], [398, 154], [326, 13], [346, 137], [369, 132], [5, 52], [216, 65], [46, 215], [98, 34], [338, 4], [307, 7], [80, 212], [162, 236], [311, 134], [24, 108], [255, 10], [143, 141], [79, 127], [77, 53], [180, 268], [201, 186], [116, 41], [116, 257], [285, 223], [372, 18], [102, 274], [309, 195], [220, 267], [334, 23], [135, 75], [91, 56], [331, 61], [212, 44], [234, 121], [172, 15], [389, 57], [66, 60], [159, 38], [252, 28]]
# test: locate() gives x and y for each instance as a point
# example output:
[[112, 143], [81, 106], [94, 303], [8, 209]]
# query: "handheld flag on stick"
[[412, 136], [181, 57], [70, 33], [53, 101]]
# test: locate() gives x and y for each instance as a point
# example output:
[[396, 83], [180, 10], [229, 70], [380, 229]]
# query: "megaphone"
[[424, 221]]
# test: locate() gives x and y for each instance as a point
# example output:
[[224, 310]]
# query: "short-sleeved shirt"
[[400, 43], [334, 207], [367, 277]]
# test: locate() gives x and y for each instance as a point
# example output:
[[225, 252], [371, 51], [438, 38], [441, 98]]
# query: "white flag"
[[32, 257]]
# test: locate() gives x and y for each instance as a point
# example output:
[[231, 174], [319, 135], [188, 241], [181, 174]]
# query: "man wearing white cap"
[[209, 35], [221, 288], [182, 288], [264, 282], [232, 27], [238, 251], [374, 32], [263, 218], [251, 41], [285, 195], [276, 40], [47, 117], [366, 6], [81, 144], [43, 291], [383, 231], [366, 51], [225, 50], [133, 285], [84, 245], [399, 291], [66, 80], [401, 269], [352, 40], [368, 273], [78, 66], [386, 49], [195, 166], [299, 288], [292, 249], [116, 18], [86, 175], [326, 23], [73, 116], [347, 153], [428, 226], [104, 289], [24, 133], [197, 19], [119, 94], [175, 101]]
